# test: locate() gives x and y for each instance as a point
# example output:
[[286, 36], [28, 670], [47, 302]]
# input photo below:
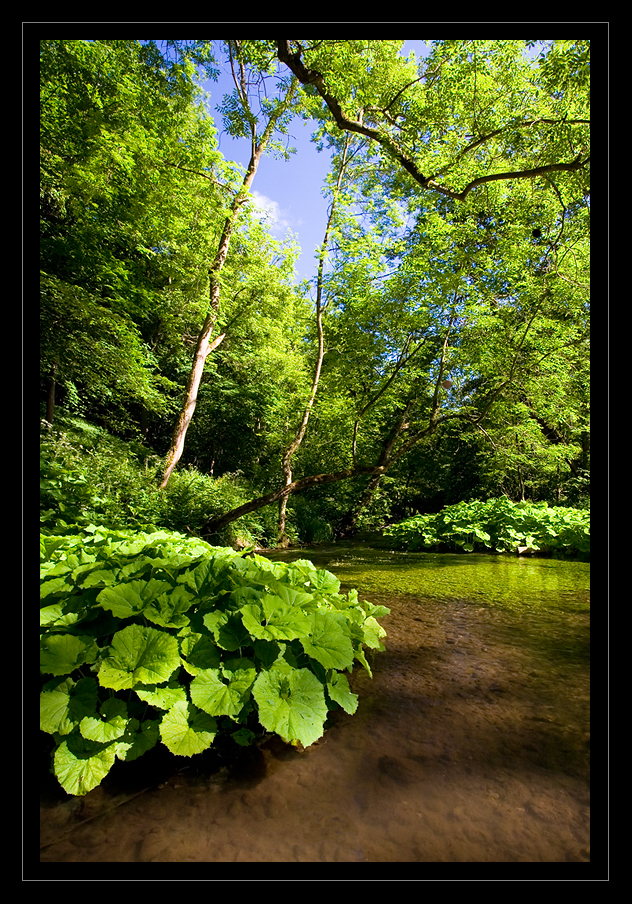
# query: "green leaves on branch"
[[192, 638]]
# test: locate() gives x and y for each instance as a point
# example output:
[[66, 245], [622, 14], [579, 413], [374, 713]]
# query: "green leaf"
[[139, 655], [169, 608], [273, 619], [162, 697], [55, 586], [61, 654], [64, 703], [54, 615], [137, 739], [125, 600], [244, 737], [110, 726], [81, 765], [291, 703], [216, 698], [327, 642], [185, 730], [338, 689], [198, 651]]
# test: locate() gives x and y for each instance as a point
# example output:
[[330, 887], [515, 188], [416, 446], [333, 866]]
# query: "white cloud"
[[270, 210]]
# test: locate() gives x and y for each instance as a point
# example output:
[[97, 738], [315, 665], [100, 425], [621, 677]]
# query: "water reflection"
[[470, 742], [497, 580]]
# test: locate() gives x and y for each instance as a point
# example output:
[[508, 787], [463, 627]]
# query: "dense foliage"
[[498, 525], [149, 637], [453, 295], [189, 386]]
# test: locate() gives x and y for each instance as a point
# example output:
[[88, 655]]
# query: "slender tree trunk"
[[50, 399], [204, 344], [286, 464]]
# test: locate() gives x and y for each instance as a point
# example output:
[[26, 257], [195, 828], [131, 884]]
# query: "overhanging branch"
[[312, 77]]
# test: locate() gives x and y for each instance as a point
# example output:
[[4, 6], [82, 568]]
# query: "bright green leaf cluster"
[[499, 525], [154, 636]]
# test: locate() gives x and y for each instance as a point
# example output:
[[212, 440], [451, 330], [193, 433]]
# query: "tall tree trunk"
[[204, 344], [286, 464], [50, 398]]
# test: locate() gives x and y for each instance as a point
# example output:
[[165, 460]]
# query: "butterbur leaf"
[[324, 581], [273, 619], [186, 730], [228, 629], [211, 694], [290, 595], [327, 643], [56, 587], [137, 739], [81, 765], [232, 635], [125, 600], [244, 737], [291, 703], [64, 703], [162, 697], [169, 608], [61, 654], [359, 655], [198, 651], [139, 655], [109, 727], [100, 577], [339, 691], [55, 615], [372, 631]]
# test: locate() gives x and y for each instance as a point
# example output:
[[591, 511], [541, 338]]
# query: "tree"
[[479, 294], [244, 122], [122, 221], [286, 461]]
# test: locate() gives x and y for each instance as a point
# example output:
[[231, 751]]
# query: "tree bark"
[[50, 399]]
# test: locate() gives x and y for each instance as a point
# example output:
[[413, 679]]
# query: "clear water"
[[470, 743]]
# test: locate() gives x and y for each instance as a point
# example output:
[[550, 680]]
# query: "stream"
[[470, 742]]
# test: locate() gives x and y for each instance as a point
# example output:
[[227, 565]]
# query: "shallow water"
[[470, 743]]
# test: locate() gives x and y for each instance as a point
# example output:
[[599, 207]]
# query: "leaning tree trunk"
[[204, 344]]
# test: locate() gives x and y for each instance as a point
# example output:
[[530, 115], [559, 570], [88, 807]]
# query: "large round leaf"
[[186, 730], [109, 725], [61, 654], [139, 655], [81, 765], [273, 619], [291, 703], [327, 642], [125, 600], [216, 698], [64, 703]]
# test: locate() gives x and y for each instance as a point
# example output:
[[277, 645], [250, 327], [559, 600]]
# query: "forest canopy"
[[439, 354]]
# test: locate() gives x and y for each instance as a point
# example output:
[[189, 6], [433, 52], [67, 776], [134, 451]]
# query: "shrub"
[[157, 637], [498, 524]]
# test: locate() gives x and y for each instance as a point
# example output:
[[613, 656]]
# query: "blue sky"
[[289, 191]]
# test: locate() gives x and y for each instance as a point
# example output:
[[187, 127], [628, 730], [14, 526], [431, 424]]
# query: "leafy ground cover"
[[499, 525], [156, 637]]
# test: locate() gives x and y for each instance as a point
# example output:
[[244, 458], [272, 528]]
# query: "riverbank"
[[470, 744]]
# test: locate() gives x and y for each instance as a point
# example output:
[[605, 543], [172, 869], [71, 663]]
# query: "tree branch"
[[312, 77]]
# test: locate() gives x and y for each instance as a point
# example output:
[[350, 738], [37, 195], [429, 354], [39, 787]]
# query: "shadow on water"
[[470, 742]]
